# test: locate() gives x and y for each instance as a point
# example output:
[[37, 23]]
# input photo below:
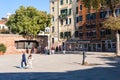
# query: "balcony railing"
[[63, 16]]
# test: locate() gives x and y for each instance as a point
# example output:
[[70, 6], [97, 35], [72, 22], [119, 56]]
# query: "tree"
[[109, 4], [113, 23], [28, 21]]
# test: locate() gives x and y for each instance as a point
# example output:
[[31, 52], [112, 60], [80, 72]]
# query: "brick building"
[[90, 29]]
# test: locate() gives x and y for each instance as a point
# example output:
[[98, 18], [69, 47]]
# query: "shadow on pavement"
[[95, 73]]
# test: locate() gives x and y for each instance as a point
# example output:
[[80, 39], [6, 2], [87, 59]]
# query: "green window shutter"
[[66, 1], [61, 34], [70, 1], [70, 11], [69, 34], [65, 34], [61, 2]]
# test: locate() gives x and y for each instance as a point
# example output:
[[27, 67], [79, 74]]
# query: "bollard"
[[84, 58]]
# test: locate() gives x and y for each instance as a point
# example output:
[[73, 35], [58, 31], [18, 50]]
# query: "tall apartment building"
[[63, 21], [92, 31]]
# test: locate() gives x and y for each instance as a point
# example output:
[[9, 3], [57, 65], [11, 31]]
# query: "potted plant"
[[2, 49]]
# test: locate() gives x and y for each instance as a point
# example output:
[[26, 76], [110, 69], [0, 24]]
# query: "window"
[[66, 21], [61, 22], [77, 19], [76, 10], [63, 12], [23, 44], [117, 12], [103, 14], [69, 20], [94, 33], [65, 34], [52, 40], [88, 34], [69, 34], [66, 1], [109, 45], [61, 35], [80, 18], [61, 2], [113, 45], [108, 31], [53, 29], [80, 7], [52, 2], [53, 9], [76, 33], [70, 11], [98, 45], [70, 1], [53, 18], [91, 16], [80, 34], [88, 16], [102, 33], [89, 26]]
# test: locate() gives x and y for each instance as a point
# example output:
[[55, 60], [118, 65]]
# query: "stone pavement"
[[101, 66]]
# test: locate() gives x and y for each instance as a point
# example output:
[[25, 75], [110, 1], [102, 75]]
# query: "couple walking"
[[26, 62]]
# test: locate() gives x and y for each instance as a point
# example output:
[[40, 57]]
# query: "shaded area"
[[95, 73]]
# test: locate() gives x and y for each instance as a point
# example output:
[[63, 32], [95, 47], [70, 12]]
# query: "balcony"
[[63, 16]]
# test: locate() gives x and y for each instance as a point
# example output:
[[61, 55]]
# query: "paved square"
[[61, 67]]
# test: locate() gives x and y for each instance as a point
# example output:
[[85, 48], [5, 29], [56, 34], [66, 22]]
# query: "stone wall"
[[9, 41]]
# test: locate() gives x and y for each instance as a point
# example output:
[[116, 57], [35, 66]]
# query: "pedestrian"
[[27, 50], [23, 62], [29, 61], [52, 50], [46, 50], [32, 50]]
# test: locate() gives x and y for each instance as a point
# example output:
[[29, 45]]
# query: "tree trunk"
[[117, 37], [117, 43]]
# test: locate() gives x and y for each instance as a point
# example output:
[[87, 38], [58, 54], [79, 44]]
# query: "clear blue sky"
[[9, 6]]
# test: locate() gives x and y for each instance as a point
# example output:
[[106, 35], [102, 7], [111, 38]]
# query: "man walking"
[[23, 62]]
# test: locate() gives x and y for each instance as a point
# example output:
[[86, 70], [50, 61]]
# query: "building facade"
[[75, 28], [2, 24], [91, 29], [63, 22]]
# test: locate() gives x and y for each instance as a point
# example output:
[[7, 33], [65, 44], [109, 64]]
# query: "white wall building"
[[63, 21]]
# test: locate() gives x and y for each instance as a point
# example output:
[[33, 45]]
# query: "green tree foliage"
[[2, 48], [112, 23], [28, 21], [97, 4]]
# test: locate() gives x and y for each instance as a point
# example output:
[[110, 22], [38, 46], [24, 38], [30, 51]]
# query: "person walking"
[[53, 50], [23, 62], [29, 61], [46, 50], [32, 50]]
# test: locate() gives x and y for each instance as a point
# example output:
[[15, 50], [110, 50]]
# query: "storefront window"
[[109, 45], [98, 45]]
